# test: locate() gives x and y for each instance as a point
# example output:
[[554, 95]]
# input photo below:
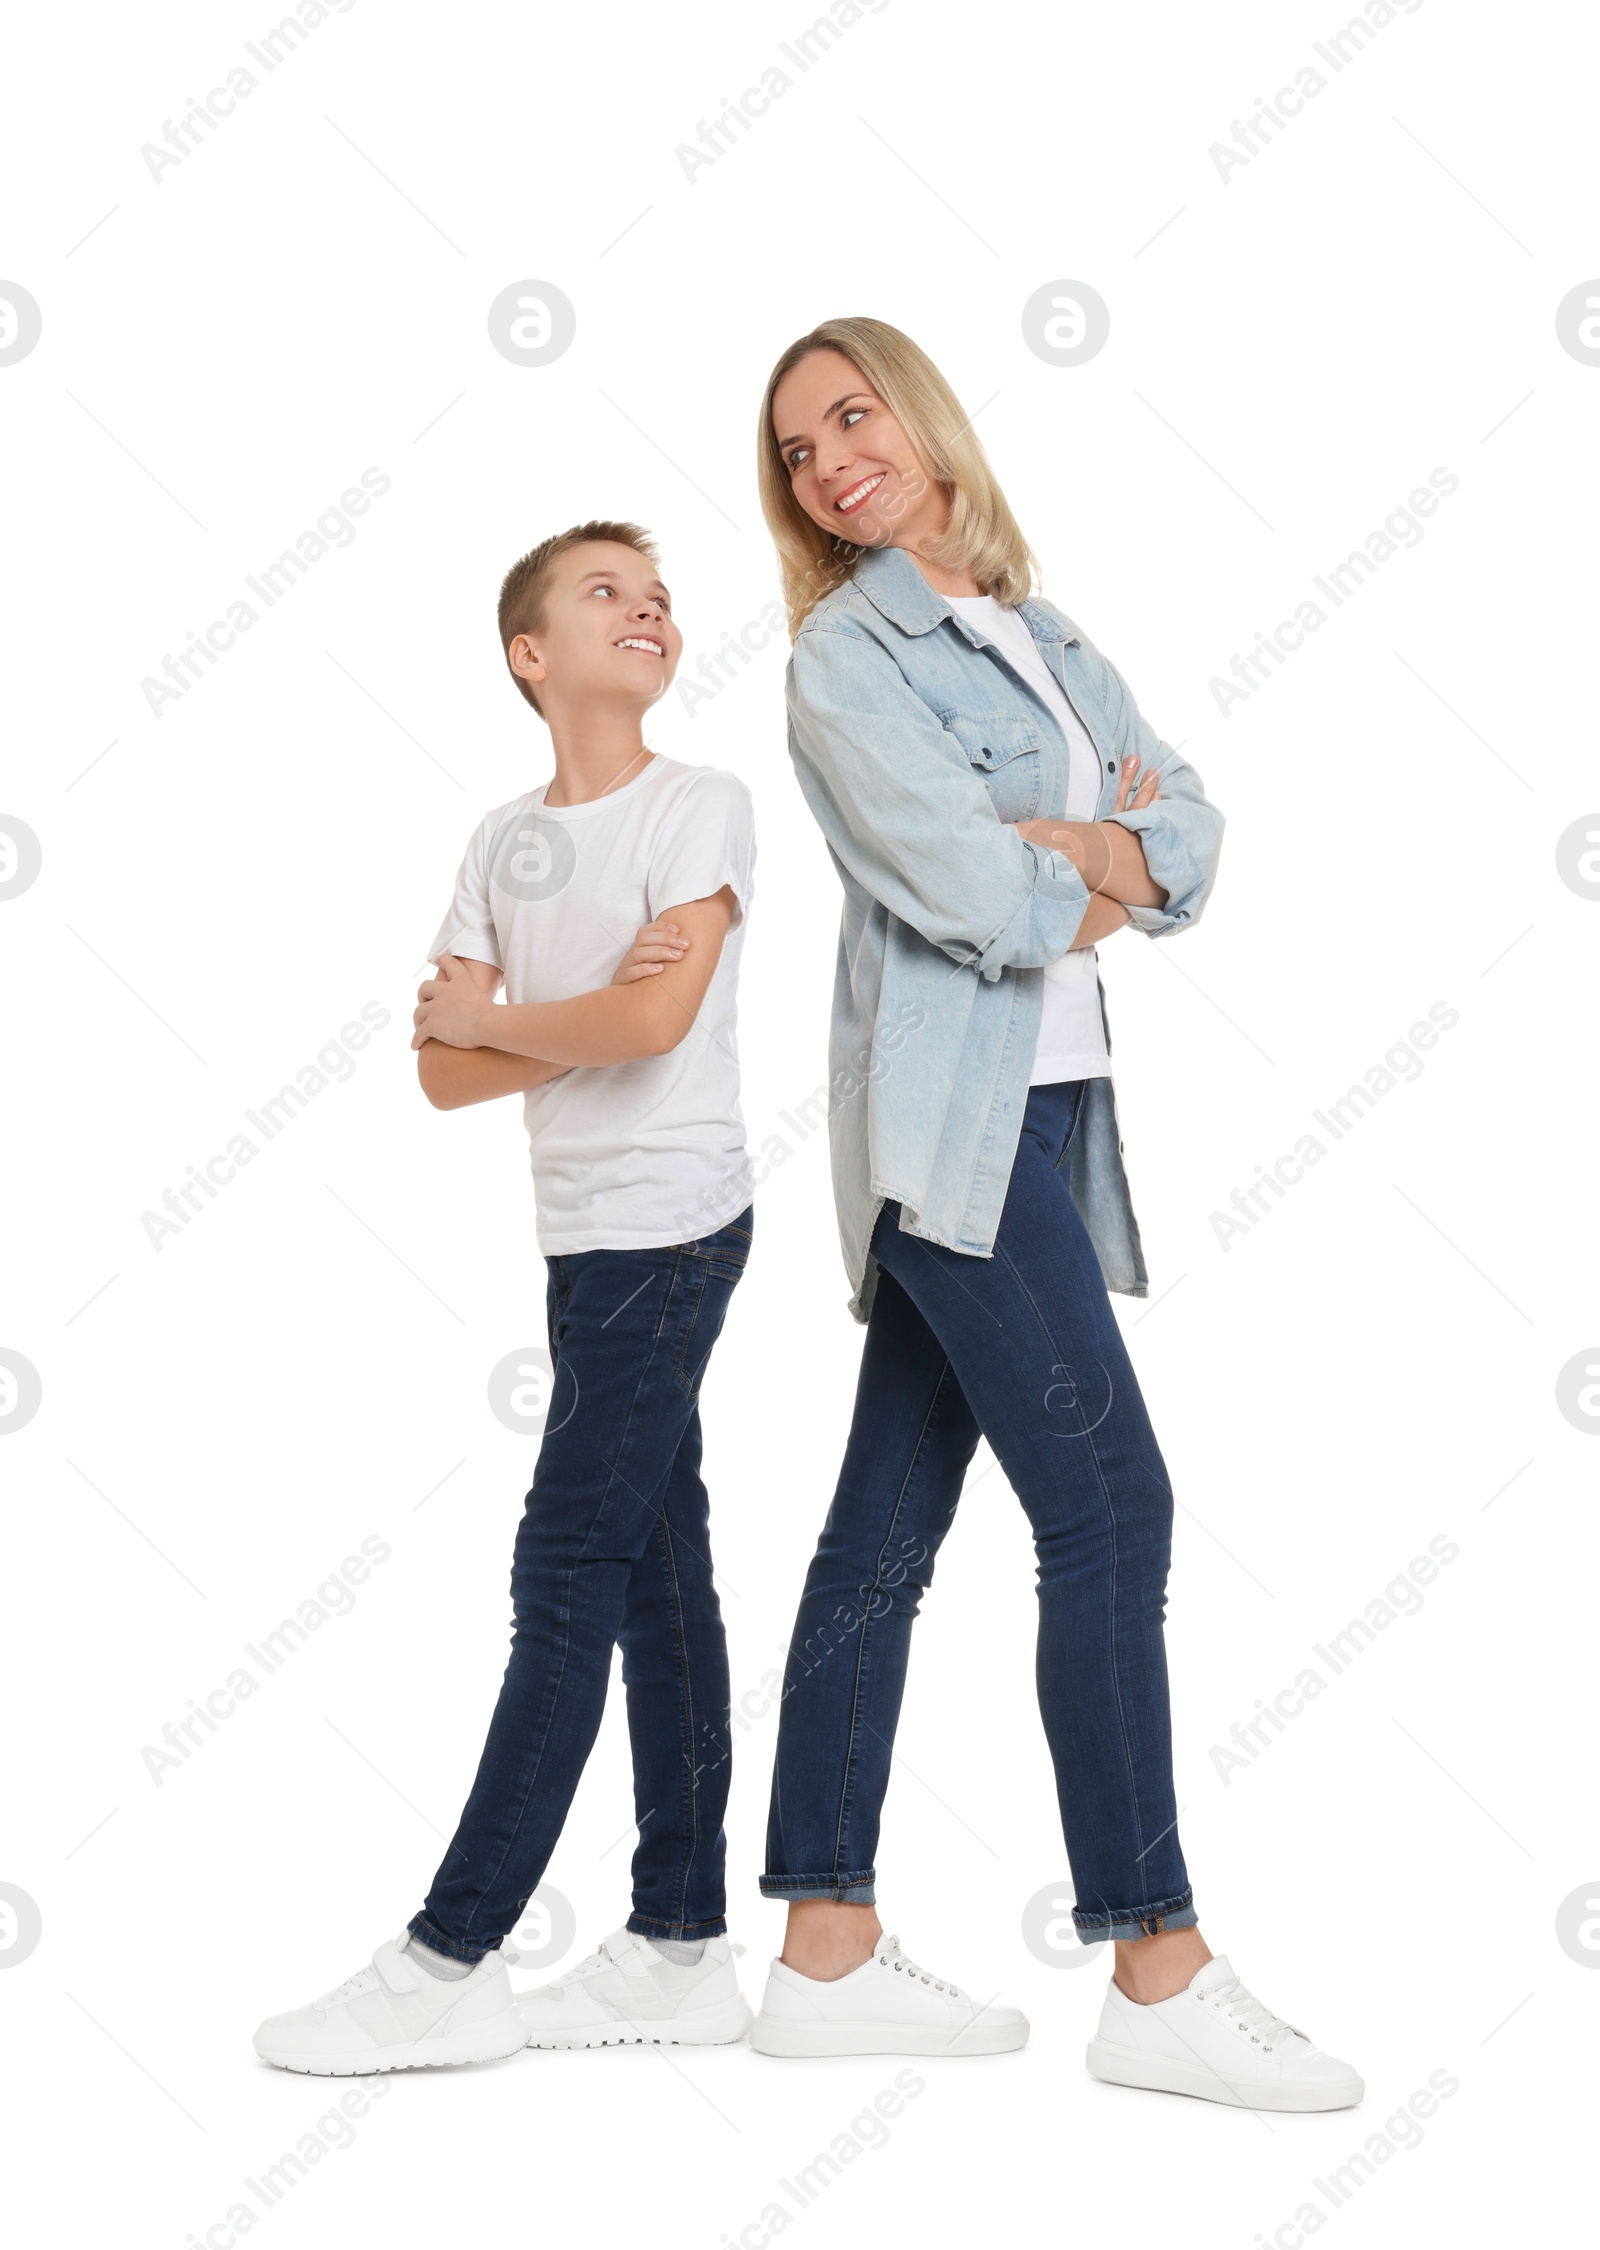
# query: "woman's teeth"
[[848, 501]]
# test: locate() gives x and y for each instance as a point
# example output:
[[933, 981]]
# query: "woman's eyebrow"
[[827, 415]]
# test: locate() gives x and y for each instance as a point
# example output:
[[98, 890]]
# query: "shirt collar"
[[895, 586]]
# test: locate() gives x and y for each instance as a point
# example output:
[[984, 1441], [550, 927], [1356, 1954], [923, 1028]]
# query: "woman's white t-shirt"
[[1072, 1033], [645, 1153]]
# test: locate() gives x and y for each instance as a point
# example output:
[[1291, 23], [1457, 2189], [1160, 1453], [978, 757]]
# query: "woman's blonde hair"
[[983, 535]]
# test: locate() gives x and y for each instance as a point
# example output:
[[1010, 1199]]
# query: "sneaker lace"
[[1241, 2007], [894, 1957], [348, 1989], [601, 1958]]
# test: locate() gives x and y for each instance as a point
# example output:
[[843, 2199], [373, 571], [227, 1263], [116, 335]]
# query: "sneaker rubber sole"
[[490, 2041], [1160, 2074], [720, 2026], [781, 2035]]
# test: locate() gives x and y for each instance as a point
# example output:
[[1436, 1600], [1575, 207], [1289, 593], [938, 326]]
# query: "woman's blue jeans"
[[1023, 1349], [614, 1547]]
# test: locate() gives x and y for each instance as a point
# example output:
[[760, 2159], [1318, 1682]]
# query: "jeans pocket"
[[712, 1286], [724, 1252], [1079, 1087]]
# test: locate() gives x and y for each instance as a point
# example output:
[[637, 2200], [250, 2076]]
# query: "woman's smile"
[[862, 490]]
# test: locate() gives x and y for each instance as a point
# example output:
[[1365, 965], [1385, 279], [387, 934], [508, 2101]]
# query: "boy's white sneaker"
[[627, 1994], [1216, 2040], [394, 2016], [886, 2007]]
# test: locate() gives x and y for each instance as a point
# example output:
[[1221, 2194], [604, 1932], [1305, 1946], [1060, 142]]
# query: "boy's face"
[[606, 633]]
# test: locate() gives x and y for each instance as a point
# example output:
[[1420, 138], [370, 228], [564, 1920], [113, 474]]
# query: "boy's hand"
[[451, 1007], [656, 944]]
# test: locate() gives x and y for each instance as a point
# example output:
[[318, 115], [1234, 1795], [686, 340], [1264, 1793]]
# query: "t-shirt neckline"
[[601, 803]]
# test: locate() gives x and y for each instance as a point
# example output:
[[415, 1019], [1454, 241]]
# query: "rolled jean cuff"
[[857, 1888], [651, 1926], [436, 1941], [1130, 1923]]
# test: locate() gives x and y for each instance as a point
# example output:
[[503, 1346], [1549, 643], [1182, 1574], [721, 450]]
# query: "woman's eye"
[[797, 459], [851, 416]]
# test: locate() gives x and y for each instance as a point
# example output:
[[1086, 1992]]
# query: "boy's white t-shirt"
[[1072, 1032], [645, 1153]]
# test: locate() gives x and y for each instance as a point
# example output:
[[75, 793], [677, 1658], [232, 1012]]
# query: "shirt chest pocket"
[[1006, 751]]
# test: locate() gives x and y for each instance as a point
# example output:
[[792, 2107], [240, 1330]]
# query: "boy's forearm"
[[456, 1077], [618, 1023]]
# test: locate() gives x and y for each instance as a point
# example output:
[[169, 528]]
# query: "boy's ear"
[[525, 661]]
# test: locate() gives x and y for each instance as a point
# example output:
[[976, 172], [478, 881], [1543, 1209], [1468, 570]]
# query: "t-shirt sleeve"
[[709, 841], [468, 929]]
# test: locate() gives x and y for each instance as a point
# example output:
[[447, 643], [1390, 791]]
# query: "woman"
[[995, 806]]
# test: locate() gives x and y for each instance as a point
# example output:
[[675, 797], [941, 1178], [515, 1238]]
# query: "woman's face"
[[850, 464]]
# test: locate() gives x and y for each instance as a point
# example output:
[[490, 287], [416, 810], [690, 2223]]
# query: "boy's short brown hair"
[[522, 592]]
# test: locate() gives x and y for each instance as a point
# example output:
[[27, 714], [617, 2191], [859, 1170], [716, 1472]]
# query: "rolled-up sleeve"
[[1182, 831], [901, 808]]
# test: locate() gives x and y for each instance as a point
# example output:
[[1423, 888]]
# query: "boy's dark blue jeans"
[[614, 1547], [1023, 1348]]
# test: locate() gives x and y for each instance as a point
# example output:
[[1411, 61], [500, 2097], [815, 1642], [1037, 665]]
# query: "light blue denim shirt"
[[916, 743]]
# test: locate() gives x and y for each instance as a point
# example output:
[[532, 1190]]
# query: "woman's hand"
[[1110, 858], [1130, 799], [656, 945]]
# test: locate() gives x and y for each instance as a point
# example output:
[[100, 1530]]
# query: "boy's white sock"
[[438, 1964], [683, 1952]]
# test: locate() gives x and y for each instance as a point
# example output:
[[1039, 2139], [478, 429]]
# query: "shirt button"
[[1111, 765]]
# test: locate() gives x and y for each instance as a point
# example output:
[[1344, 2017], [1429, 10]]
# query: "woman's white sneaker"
[[394, 2016], [886, 2007], [1216, 2040], [627, 1994]]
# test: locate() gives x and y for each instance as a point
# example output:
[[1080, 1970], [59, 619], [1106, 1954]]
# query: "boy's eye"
[[605, 590]]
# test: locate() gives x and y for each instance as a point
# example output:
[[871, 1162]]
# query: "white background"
[[1373, 1365]]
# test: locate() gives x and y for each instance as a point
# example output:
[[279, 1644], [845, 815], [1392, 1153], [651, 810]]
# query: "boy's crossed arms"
[[470, 1049]]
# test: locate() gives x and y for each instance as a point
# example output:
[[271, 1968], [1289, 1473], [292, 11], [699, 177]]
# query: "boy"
[[624, 1053]]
